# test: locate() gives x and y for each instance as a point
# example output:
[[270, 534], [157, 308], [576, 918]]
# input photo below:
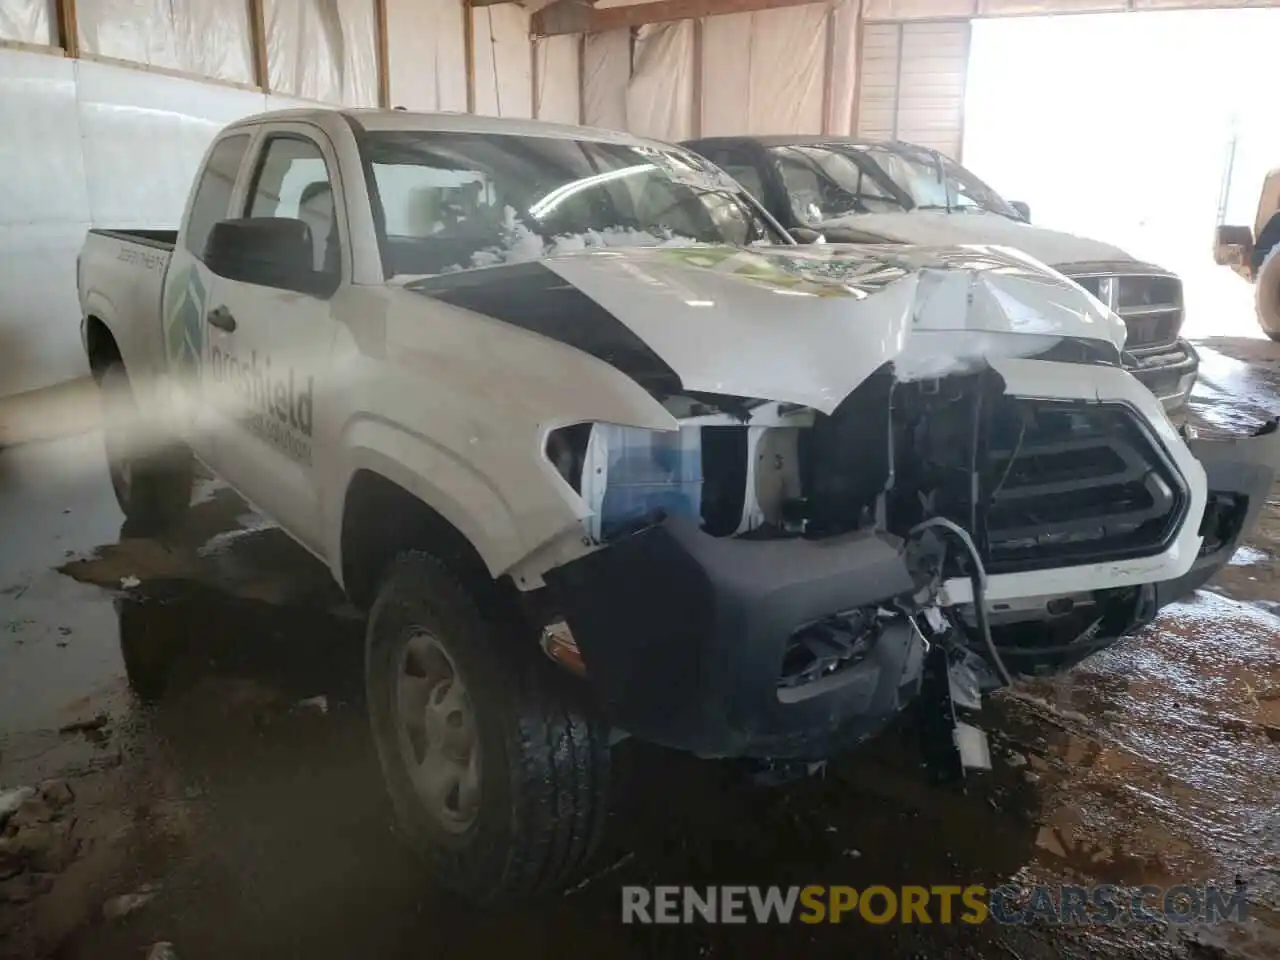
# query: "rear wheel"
[[151, 473], [497, 777]]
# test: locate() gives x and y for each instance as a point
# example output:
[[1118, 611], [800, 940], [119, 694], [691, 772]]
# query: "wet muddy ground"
[[192, 711]]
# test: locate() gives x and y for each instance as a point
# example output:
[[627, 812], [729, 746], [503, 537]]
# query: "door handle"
[[221, 318]]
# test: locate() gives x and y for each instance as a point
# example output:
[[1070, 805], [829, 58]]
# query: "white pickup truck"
[[602, 451]]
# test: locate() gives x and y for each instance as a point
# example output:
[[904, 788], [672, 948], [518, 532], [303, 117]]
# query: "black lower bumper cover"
[[683, 636], [1239, 475]]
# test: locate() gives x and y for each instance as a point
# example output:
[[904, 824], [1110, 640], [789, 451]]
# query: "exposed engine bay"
[[1033, 484]]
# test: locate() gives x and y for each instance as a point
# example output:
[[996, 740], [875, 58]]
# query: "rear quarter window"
[[212, 201]]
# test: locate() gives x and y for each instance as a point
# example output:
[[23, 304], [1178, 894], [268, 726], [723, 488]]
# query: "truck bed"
[[160, 239], [121, 281]]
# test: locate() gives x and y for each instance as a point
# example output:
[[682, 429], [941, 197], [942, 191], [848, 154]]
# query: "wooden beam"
[[576, 16], [469, 52], [828, 66], [582, 78], [384, 68], [258, 43], [697, 79], [68, 28], [534, 92]]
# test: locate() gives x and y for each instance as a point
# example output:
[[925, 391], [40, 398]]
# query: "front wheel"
[[498, 782], [151, 473]]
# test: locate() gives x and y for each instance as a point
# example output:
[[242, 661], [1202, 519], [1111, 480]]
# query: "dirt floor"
[[189, 715]]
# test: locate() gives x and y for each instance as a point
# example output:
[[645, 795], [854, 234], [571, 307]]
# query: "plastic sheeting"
[[28, 21], [763, 72], [118, 147], [323, 50], [557, 97], [844, 48], [209, 38], [503, 61], [426, 54], [660, 94], [606, 68]]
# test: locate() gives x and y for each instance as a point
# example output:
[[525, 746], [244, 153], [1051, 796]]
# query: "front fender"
[[435, 476]]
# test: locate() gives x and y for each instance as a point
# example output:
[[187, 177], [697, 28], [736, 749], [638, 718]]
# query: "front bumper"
[[1239, 474], [1168, 371], [683, 636]]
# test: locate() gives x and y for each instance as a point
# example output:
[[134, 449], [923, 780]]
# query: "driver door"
[[270, 349]]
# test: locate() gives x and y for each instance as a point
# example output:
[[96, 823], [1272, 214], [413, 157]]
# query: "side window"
[[292, 181], [739, 166], [804, 189], [213, 194]]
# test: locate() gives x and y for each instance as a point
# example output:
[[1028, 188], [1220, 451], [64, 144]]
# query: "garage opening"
[[1144, 131]]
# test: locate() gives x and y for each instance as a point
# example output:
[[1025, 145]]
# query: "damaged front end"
[[769, 578]]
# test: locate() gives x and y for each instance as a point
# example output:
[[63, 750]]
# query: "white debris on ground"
[[36, 839], [127, 903], [1247, 556], [11, 799], [320, 702], [129, 583]]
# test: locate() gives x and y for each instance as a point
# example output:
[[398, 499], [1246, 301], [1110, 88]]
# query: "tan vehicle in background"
[[1255, 254]]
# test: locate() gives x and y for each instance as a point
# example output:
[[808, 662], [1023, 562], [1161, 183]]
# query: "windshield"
[[456, 201], [935, 182], [826, 181]]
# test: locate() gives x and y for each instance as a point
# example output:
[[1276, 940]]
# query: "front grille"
[[1149, 303], [1069, 483]]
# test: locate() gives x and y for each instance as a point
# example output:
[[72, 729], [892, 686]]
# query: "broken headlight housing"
[[632, 477]]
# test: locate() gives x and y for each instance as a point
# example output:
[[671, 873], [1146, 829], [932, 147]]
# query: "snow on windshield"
[[518, 243]]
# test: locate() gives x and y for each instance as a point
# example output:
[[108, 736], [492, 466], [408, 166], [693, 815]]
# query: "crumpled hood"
[[934, 227], [797, 324]]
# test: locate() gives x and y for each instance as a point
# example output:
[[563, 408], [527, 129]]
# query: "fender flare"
[[437, 477]]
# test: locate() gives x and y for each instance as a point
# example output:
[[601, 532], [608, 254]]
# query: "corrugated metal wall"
[[912, 80]]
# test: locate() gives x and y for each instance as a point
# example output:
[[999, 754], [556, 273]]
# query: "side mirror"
[[268, 252], [1233, 247], [805, 235], [1024, 211]]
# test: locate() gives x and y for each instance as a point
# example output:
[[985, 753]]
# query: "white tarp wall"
[[323, 50], [102, 144], [426, 54], [205, 37], [27, 21], [556, 92], [660, 92], [503, 60], [761, 72], [606, 71]]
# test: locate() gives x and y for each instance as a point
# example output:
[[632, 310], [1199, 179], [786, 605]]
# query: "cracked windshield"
[[459, 201]]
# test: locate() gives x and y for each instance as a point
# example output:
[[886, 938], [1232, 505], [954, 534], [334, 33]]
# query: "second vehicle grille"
[[1149, 303]]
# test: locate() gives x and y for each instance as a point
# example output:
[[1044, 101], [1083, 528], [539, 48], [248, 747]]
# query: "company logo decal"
[[272, 403], [184, 323]]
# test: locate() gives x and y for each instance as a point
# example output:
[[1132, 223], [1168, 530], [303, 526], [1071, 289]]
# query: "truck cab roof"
[[394, 120]]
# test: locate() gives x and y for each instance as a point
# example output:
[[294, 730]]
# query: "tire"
[[150, 473], [522, 804], [1267, 293]]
